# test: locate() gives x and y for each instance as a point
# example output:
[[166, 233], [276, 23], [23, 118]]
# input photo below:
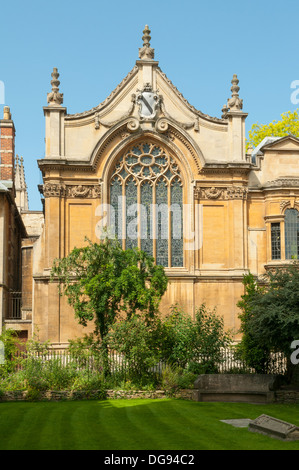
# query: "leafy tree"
[[250, 349], [103, 281], [138, 341], [273, 320], [197, 342], [288, 124], [211, 338], [178, 337]]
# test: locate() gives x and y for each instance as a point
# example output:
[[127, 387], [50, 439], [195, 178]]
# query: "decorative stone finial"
[[146, 52], [235, 103], [6, 113], [55, 98]]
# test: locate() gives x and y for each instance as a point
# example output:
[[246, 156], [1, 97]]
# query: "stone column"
[[236, 124], [54, 115]]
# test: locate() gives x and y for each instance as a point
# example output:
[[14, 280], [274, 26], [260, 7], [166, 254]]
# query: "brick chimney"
[[7, 148]]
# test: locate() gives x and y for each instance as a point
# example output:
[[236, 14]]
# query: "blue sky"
[[199, 45]]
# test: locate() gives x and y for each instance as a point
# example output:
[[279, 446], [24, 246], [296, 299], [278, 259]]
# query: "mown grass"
[[165, 424]]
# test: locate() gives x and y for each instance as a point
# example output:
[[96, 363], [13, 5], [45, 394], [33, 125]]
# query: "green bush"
[[33, 394], [194, 341], [35, 376], [13, 382], [190, 346], [10, 341], [175, 378], [88, 381], [137, 340]]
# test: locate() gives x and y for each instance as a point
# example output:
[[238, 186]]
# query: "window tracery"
[[146, 194]]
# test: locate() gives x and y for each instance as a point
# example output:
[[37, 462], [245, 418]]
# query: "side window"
[[275, 241], [291, 234]]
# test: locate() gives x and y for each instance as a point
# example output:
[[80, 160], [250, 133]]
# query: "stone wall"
[[93, 394], [280, 396], [287, 396]]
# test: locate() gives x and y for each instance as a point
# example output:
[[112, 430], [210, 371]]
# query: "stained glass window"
[[152, 211], [292, 233]]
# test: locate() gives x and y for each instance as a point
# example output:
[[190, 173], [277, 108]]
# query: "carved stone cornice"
[[229, 169], [220, 192], [283, 182], [90, 191]]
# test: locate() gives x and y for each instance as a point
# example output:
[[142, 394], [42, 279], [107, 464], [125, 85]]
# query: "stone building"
[[170, 179]]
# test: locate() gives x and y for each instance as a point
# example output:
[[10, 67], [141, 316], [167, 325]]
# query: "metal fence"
[[228, 363]]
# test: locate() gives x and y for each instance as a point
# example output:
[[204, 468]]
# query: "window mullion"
[[154, 228], [169, 224]]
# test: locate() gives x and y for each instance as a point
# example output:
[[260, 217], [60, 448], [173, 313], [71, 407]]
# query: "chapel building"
[[168, 179]]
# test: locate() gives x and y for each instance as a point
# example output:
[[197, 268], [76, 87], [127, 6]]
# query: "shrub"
[[10, 341], [137, 341], [13, 382], [175, 378], [178, 337], [86, 381], [198, 341]]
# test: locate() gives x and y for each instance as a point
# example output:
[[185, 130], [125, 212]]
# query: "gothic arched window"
[[291, 233], [146, 196]]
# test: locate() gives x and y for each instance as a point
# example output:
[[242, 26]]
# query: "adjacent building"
[[12, 229]]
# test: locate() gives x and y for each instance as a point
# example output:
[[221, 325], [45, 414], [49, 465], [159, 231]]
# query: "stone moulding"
[[99, 121], [71, 191], [130, 130], [292, 203], [220, 193], [283, 182]]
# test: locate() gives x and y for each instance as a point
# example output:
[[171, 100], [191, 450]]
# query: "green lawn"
[[136, 425]]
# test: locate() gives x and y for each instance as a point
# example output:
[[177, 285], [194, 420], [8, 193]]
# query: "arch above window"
[[146, 196]]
